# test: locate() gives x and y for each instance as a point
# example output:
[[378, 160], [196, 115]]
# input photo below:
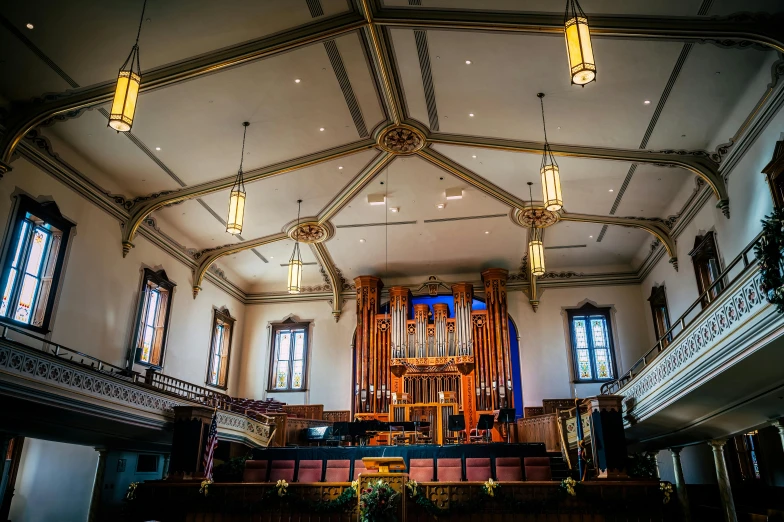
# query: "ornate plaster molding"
[[402, 139], [334, 276], [536, 216], [309, 230]]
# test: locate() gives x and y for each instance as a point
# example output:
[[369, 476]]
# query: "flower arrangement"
[[204, 489], [282, 488], [378, 503], [666, 491], [413, 488], [568, 486], [131, 494], [489, 487], [769, 253]]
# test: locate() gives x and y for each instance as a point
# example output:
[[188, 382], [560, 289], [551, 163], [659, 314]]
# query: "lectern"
[[389, 469], [384, 464]]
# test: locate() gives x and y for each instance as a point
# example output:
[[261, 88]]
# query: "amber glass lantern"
[[551, 177], [536, 252], [126, 91], [295, 263], [582, 67], [237, 196]]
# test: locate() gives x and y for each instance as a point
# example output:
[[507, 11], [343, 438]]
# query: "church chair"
[[255, 471], [478, 469], [310, 470], [537, 468], [449, 470], [421, 470], [338, 471], [282, 469], [359, 467], [507, 469]]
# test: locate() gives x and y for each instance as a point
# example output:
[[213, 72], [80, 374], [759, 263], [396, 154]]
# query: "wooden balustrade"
[[305, 411], [540, 428], [337, 416], [183, 389]]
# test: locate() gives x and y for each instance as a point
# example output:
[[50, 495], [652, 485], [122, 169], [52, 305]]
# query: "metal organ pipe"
[[440, 312], [420, 320]]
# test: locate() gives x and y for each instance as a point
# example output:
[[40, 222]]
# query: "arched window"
[[592, 345], [707, 267], [661, 316], [152, 324]]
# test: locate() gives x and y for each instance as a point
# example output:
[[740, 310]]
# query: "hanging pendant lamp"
[[535, 245], [127, 89], [551, 178], [582, 67], [237, 195], [295, 263]]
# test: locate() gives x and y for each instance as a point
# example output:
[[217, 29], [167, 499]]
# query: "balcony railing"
[[703, 305], [183, 389]]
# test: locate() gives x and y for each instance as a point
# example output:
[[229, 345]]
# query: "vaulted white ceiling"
[[191, 132]]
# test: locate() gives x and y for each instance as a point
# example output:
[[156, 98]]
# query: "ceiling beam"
[[382, 58], [207, 257], [654, 226], [354, 186], [698, 161], [739, 29], [335, 281], [472, 178], [32, 114], [148, 204]]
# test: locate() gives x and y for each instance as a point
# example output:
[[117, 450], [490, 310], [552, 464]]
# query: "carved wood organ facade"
[[421, 352]]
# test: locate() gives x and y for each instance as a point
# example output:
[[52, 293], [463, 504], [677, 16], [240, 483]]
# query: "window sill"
[[149, 365], [287, 391], [594, 381], [24, 326], [224, 388]]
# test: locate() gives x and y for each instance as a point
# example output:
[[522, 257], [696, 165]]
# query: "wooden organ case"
[[414, 358]]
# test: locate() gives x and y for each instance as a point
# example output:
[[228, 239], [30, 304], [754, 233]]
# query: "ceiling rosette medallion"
[[534, 217], [402, 139], [310, 232]]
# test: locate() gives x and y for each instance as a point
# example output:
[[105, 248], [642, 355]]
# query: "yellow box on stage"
[[384, 464]]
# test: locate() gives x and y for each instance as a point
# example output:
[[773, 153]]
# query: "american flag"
[[209, 450]]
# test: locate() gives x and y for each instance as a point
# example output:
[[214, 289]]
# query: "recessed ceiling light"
[[611, 190], [297, 80], [322, 129], [471, 114], [157, 148], [474, 156], [361, 240], [487, 231], [559, 128], [440, 206], [647, 102], [340, 167], [468, 62], [30, 26], [591, 237], [272, 257], [394, 209]]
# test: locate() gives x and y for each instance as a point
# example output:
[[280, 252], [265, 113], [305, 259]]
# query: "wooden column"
[[366, 365], [494, 280], [608, 440]]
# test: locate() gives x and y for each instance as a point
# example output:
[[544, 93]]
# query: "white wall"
[[750, 201], [330, 358], [696, 462], [98, 300], [54, 482], [545, 349]]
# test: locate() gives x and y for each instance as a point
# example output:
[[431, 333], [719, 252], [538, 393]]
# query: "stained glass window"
[[220, 348], [155, 300], [30, 271], [289, 351], [591, 343]]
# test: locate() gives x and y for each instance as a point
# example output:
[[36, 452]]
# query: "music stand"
[[507, 416], [486, 423], [456, 423]]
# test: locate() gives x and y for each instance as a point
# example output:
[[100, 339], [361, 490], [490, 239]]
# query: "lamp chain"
[[242, 155], [544, 125], [141, 21]]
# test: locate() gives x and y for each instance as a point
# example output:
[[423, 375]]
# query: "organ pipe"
[[463, 295], [420, 321], [440, 313]]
